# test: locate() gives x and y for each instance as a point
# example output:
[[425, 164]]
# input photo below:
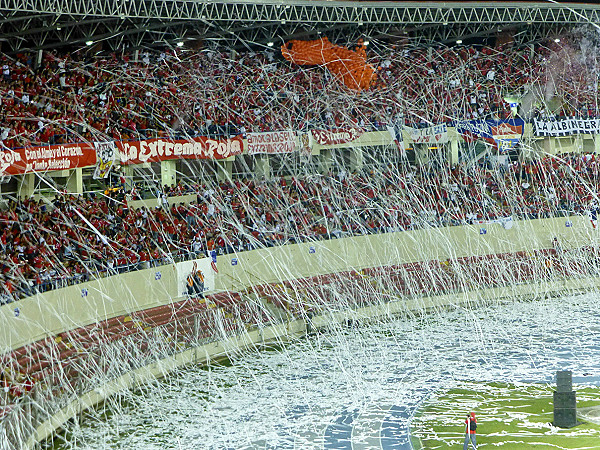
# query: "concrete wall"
[[57, 311], [538, 145], [294, 329], [152, 203], [307, 259], [64, 309], [54, 312]]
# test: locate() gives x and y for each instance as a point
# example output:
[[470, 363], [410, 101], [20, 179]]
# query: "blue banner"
[[503, 134]]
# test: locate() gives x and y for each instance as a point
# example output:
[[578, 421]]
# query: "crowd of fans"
[[45, 245], [81, 97], [78, 97]]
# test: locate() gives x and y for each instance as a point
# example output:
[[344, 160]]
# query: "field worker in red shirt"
[[470, 431]]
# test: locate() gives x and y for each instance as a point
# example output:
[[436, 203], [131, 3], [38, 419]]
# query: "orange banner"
[[349, 66]]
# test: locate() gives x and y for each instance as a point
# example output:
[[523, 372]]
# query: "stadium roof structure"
[[47, 24]]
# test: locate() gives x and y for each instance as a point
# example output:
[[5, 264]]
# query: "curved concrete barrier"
[[46, 315], [286, 331]]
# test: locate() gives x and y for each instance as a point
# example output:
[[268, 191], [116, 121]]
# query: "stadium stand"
[[77, 97], [46, 246], [97, 95]]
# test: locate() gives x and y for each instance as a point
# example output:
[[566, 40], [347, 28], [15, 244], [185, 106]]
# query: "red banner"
[[155, 150], [505, 130], [271, 142], [47, 158], [342, 136]]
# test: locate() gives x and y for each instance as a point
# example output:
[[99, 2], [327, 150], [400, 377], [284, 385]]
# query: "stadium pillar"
[[224, 170], [578, 143], [356, 159], [325, 161], [75, 181], [421, 154], [127, 172], [262, 167], [597, 143], [26, 185], [549, 145], [168, 173], [453, 153]]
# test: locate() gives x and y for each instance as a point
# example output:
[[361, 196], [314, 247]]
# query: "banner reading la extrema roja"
[[155, 150], [46, 158]]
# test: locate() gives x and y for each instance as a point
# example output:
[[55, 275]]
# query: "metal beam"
[[243, 22], [312, 11]]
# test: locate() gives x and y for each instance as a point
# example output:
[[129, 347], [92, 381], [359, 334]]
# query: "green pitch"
[[508, 417]]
